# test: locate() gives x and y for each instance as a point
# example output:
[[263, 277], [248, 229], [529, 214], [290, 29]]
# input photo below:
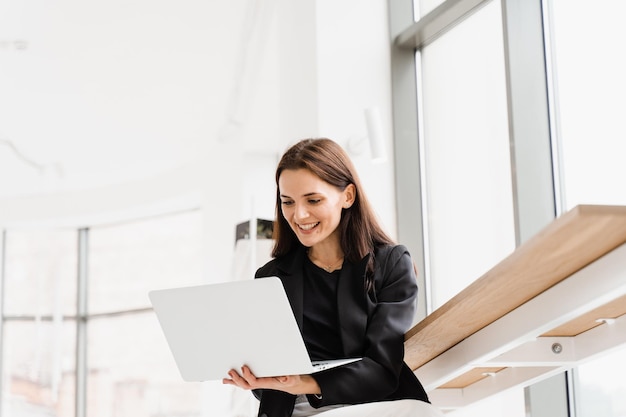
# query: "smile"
[[307, 227]]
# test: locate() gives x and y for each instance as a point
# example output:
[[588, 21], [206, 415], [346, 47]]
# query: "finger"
[[247, 373], [238, 380], [248, 377]]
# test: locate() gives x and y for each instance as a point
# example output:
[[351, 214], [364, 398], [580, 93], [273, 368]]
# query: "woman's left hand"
[[293, 384]]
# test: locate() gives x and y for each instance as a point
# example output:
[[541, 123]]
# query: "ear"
[[349, 195]]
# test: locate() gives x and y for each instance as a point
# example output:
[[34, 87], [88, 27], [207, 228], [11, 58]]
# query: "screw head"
[[557, 348]]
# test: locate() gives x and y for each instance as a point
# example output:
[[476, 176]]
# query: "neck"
[[328, 261], [326, 255]]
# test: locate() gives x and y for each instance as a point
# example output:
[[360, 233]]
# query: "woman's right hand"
[[293, 384]]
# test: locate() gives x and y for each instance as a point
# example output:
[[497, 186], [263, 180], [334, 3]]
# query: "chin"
[[308, 241]]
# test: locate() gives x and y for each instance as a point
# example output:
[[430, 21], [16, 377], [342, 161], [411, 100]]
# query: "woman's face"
[[311, 206]]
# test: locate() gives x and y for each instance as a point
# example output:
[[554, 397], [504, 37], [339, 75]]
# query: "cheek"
[[337, 211], [286, 213]]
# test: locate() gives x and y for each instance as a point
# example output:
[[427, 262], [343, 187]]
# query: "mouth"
[[308, 227]]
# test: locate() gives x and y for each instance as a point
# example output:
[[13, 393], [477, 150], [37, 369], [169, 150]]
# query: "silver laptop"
[[214, 328]]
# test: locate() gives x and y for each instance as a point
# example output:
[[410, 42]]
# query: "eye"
[[314, 200], [286, 202]]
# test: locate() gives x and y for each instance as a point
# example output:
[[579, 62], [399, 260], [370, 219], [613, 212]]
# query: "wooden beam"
[[571, 242]]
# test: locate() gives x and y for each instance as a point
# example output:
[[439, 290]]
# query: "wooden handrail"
[[571, 242]]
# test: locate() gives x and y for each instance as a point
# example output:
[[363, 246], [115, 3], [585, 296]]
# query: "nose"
[[300, 212]]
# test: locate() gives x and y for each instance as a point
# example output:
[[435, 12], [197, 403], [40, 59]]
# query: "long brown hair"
[[360, 231]]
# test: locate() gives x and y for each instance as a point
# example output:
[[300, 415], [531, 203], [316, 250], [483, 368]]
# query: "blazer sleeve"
[[376, 377]]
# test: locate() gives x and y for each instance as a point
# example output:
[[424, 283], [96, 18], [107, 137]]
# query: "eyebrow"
[[305, 195]]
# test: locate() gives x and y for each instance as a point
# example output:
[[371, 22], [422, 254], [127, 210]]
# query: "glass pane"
[[590, 72], [127, 261], [423, 7], [132, 372], [508, 403], [600, 391], [41, 268], [467, 160], [38, 368]]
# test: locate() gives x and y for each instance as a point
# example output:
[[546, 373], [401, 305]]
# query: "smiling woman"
[[351, 289], [313, 208]]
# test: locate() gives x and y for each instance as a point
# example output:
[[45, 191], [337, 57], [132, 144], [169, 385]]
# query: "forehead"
[[298, 182]]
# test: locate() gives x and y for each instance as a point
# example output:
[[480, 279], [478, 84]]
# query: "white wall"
[[132, 108], [353, 67]]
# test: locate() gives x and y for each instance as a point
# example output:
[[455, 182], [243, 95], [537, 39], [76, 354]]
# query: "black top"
[[371, 325], [320, 325]]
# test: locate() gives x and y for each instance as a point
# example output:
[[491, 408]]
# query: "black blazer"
[[372, 326]]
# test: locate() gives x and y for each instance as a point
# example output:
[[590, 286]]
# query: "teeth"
[[308, 226]]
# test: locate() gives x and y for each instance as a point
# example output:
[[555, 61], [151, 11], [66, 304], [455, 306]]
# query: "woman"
[[352, 290]]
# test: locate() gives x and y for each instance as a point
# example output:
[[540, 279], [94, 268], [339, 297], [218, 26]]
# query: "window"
[[129, 368], [426, 6], [600, 391], [467, 196], [39, 368], [39, 322], [588, 69], [467, 161]]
